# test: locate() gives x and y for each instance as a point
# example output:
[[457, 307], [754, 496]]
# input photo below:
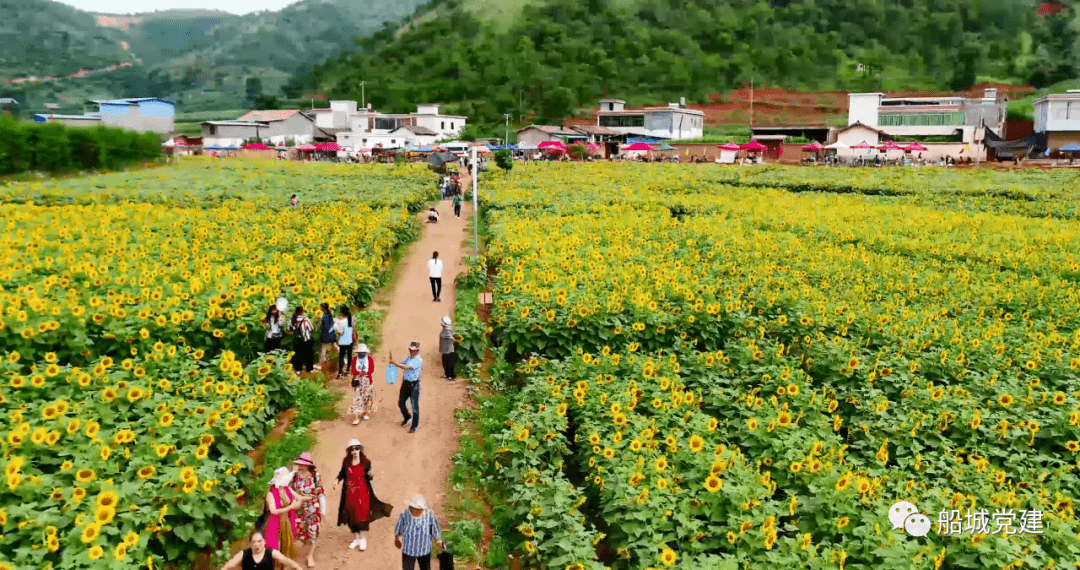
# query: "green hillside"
[[547, 57], [205, 60]]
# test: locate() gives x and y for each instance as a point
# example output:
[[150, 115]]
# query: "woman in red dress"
[[359, 506]]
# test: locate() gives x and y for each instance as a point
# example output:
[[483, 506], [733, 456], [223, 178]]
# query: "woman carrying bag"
[[279, 517], [363, 384], [303, 344], [308, 486]]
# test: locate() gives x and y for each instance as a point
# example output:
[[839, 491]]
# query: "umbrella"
[[552, 144], [813, 147], [914, 146], [890, 146], [281, 147], [838, 146], [441, 158], [332, 146], [752, 146], [307, 147], [638, 146], [255, 146], [863, 145], [665, 147], [1071, 147], [731, 146]]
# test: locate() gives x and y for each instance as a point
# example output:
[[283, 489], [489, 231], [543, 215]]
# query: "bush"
[[53, 147]]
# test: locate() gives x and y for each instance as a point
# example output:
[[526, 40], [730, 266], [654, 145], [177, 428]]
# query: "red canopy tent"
[[730, 146], [914, 146], [753, 146], [307, 147], [256, 146], [552, 144], [863, 145], [890, 146], [813, 147], [638, 146], [330, 146]]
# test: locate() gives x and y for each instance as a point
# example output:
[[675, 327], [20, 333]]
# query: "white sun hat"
[[362, 348], [355, 443], [282, 477], [417, 502], [446, 321]]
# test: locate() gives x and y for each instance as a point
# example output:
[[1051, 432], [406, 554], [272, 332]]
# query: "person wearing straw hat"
[[307, 485], [363, 384], [415, 530], [280, 513], [410, 386], [446, 348], [359, 506]]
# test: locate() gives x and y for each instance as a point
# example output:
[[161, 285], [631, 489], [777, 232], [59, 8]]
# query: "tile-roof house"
[[533, 135], [283, 124]]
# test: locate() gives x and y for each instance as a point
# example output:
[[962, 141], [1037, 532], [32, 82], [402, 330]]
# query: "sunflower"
[[1005, 400], [95, 552], [843, 483], [90, 533], [108, 499], [696, 443], [842, 522], [84, 475], [668, 557], [146, 472], [713, 484]]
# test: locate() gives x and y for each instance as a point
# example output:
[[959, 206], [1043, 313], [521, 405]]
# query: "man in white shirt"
[[434, 268]]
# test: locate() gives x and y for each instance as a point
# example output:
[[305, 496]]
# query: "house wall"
[[441, 124], [229, 135], [863, 108], [854, 136], [533, 137], [1062, 138], [297, 127], [78, 122], [1057, 115], [673, 124]]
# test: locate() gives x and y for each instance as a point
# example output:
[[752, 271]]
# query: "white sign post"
[[476, 207]]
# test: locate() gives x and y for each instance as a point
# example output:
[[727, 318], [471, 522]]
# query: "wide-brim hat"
[[414, 345], [304, 459], [282, 477], [446, 321], [355, 443], [362, 348], [416, 501]]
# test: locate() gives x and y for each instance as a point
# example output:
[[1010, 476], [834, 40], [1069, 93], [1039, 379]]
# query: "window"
[[393, 141], [442, 126], [213, 129], [622, 121], [365, 141], [1074, 111], [387, 124], [451, 125]]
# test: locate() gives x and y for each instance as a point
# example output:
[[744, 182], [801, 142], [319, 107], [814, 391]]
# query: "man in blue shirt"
[[413, 534], [410, 386]]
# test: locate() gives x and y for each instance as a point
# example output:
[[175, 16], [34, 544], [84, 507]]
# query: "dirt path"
[[402, 463]]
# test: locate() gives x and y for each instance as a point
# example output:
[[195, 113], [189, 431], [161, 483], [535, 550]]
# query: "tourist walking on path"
[[363, 384], [258, 557], [435, 269], [303, 343], [359, 506], [415, 530], [457, 205], [280, 513], [446, 348], [410, 385], [345, 342], [308, 487], [326, 333], [275, 329]]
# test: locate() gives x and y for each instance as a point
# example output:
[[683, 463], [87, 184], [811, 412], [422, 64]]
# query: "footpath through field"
[[402, 463]]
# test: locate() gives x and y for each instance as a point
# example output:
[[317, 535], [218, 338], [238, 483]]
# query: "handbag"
[[322, 504], [446, 560], [391, 373]]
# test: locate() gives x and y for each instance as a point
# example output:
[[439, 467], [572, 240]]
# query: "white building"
[[959, 118], [1058, 116], [674, 122], [364, 127]]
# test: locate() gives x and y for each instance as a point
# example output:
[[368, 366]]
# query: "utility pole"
[[506, 132], [363, 100], [476, 208]]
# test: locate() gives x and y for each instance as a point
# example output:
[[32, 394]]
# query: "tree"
[[504, 159]]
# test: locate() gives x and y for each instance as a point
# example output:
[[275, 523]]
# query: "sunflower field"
[[717, 373], [132, 383]]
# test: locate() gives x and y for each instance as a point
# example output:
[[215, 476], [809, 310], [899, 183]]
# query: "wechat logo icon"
[[906, 516]]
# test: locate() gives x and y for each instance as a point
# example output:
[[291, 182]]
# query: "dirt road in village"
[[402, 463]]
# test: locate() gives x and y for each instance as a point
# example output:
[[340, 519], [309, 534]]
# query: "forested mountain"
[[205, 59], [549, 56]]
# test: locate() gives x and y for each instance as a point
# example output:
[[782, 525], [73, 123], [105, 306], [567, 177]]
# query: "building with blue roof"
[[138, 114]]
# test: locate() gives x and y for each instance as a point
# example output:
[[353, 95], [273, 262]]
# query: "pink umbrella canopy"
[[813, 147], [864, 145], [328, 146], [552, 144], [914, 146], [307, 147], [255, 146], [638, 146], [593, 146], [753, 146], [730, 146], [890, 146]]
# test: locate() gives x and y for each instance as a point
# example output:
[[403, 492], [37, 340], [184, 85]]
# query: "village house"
[[231, 134], [356, 128], [139, 114], [674, 122], [283, 125], [1057, 117]]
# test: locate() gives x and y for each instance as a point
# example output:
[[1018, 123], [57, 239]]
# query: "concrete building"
[[139, 114], [283, 125], [961, 119], [532, 135], [363, 127], [232, 133], [670, 123], [1058, 116]]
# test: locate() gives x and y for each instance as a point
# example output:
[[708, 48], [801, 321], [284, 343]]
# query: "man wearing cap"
[[446, 348], [413, 534], [410, 386]]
